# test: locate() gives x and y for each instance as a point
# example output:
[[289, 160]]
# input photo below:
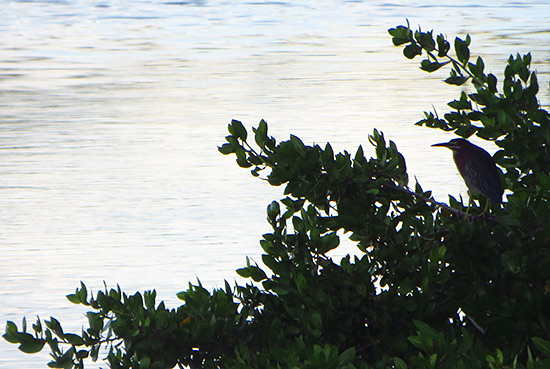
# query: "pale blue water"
[[111, 112]]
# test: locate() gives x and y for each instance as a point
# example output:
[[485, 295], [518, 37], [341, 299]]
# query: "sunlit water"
[[111, 114]]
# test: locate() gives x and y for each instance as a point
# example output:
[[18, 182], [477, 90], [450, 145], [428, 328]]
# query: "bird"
[[477, 168]]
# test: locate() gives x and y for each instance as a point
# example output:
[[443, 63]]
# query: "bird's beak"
[[443, 144]]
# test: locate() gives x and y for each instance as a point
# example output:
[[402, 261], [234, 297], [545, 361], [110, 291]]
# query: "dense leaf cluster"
[[434, 286]]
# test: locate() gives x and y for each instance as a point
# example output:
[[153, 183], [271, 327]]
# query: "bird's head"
[[456, 144]]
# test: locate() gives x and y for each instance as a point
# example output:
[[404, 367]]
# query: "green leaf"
[[260, 134], [301, 282], [226, 149], [149, 299], [415, 341], [73, 298], [412, 50], [270, 262], [74, 339], [477, 68], [462, 50], [492, 83], [425, 40], [433, 360], [508, 220], [462, 104], [37, 327], [11, 332], [256, 273], [273, 211], [144, 363], [298, 145], [237, 129], [32, 346], [244, 272], [456, 80], [82, 293], [542, 345], [443, 46], [329, 241], [54, 325], [429, 66], [425, 330], [347, 356], [400, 35], [399, 363], [95, 321]]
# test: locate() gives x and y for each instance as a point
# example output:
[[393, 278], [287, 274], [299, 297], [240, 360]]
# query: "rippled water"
[[111, 114]]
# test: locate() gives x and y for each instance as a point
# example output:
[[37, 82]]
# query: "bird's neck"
[[460, 161]]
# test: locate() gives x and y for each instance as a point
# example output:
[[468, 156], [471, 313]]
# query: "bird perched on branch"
[[477, 168]]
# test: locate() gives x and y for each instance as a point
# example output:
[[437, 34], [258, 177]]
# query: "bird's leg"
[[486, 207], [469, 204]]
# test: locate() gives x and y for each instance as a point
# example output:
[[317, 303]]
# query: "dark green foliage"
[[434, 287]]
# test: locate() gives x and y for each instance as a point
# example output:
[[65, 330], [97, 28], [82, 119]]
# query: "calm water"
[[110, 115]]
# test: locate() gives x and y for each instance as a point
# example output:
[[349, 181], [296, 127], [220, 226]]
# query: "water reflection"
[[111, 114]]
